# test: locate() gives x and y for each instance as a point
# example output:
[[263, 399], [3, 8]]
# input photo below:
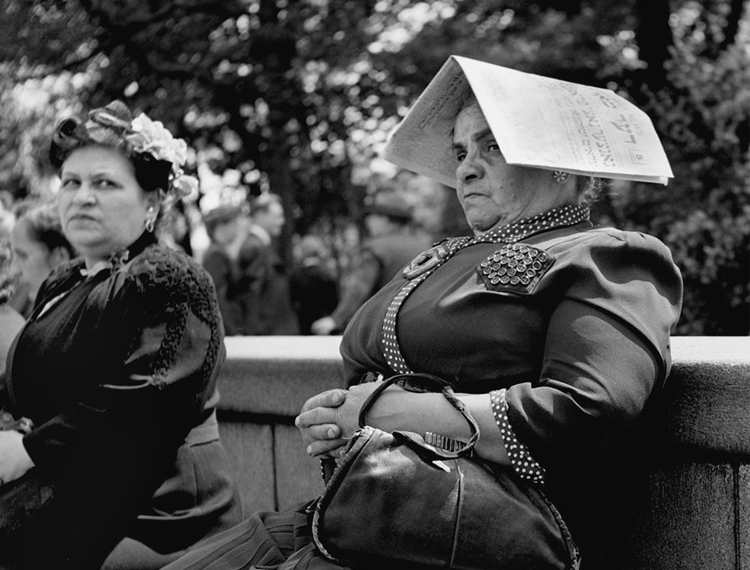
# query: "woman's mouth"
[[81, 217]]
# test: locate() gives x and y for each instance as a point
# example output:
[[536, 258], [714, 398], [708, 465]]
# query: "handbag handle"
[[449, 394]]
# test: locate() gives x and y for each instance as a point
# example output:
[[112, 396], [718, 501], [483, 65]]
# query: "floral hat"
[[115, 126]]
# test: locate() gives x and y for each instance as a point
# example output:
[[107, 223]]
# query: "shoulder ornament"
[[173, 286], [433, 257], [515, 267]]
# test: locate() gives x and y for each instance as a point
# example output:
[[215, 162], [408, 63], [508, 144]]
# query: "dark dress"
[[264, 291], [118, 372], [314, 293], [577, 334], [225, 275], [380, 259]]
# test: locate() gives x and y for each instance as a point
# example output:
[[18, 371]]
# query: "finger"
[[316, 416], [324, 431], [320, 433], [328, 399], [325, 447]]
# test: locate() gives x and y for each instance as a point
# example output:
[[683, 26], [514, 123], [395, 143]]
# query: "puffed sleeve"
[[606, 350], [165, 347]]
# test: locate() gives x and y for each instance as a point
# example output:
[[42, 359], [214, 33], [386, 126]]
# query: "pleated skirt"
[[265, 541]]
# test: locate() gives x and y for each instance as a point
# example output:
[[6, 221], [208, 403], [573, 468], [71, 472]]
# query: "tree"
[[299, 96]]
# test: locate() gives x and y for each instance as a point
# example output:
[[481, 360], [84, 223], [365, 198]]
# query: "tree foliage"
[[298, 96]]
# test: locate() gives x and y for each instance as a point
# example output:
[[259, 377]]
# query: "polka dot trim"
[[524, 465], [512, 233]]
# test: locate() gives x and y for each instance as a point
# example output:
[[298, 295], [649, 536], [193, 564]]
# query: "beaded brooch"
[[515, 267]]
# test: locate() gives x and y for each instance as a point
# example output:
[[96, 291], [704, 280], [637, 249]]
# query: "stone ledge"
[[692, 508], [275, 375], [706, 399], [704, 408]]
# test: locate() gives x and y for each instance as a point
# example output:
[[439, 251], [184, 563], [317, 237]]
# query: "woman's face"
[[491, 191], [272, 219], [102, 206], [32, 260]]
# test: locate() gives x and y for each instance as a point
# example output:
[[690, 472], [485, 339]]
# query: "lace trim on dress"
[[174, 287]]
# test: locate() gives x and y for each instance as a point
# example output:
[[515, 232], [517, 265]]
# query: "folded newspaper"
[[537, 121]]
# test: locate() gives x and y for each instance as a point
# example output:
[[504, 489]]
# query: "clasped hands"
[[327, 419]]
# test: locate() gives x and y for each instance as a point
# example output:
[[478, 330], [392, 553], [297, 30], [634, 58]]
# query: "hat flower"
[[152, 137]]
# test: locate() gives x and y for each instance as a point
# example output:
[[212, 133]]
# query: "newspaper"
[[537, 121]]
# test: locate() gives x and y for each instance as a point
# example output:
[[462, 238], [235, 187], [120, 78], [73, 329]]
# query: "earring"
[[150, 220], [560, 176]]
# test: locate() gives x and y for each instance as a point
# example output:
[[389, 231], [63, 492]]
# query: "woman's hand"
[[318, 422], [326, 420], [14, 461]]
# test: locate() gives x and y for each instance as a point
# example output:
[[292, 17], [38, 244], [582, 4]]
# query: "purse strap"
[[447, 391]]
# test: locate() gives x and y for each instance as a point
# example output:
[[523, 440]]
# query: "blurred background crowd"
[[239, 244], [285, 106]]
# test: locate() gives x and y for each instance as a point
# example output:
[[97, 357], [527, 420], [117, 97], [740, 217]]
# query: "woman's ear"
[[153, 199]]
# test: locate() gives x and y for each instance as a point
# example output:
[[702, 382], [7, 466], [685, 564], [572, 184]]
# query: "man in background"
[[225, 232], [263, 284], [392, 244]]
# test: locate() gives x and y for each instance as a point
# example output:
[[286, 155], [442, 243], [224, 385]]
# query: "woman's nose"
[[469, 168], [84, 194]]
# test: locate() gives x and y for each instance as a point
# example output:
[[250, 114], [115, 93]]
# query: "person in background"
[[175, 231], [312, 284], [392, 243], [264, 285], [39, 246], [6, 209], [224, 228], [11, 321], [118, 462]]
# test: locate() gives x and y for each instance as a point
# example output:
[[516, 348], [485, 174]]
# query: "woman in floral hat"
[[112, 382]]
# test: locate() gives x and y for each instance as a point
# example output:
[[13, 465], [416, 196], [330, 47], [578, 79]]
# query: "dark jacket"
[[118, 372], [264, 291]]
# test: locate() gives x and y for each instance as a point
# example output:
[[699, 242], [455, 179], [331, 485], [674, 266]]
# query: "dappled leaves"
[[298, 96]]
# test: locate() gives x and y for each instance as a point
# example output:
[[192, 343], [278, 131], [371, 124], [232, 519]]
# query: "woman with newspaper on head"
[[553, 332]]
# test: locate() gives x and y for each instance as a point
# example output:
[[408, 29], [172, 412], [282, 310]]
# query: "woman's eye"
[[460, 156], [104, 183], [492, 146], [69, 183]]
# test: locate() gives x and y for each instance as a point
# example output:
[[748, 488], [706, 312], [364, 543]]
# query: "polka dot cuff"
[[520, 459]]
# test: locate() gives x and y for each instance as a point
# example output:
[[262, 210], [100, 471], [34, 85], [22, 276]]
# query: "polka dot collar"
[[557, 217]]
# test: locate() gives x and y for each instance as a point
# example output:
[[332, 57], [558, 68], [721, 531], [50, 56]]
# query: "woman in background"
[[115, 370], [11, 320], [39, 247]]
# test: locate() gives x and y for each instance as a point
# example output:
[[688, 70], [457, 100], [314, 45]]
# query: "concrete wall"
[[693, 511]]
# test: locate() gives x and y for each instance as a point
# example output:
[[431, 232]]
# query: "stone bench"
[[693, 508]]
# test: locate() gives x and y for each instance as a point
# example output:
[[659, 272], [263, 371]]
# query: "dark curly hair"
[[108, 126]]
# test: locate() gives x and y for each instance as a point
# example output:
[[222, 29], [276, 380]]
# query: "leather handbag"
[[392, 497]]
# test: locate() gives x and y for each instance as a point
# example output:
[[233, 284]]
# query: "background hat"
[[220, 215], [390, 204]]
